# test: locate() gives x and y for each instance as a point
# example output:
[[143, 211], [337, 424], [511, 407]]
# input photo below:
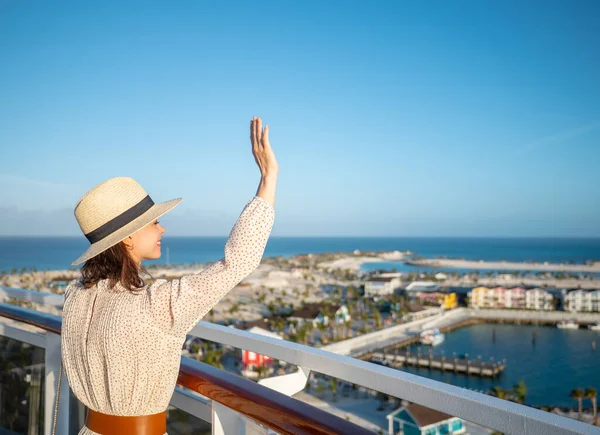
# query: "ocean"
[[48, 253]]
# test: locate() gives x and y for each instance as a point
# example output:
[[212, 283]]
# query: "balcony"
[[209, 400]]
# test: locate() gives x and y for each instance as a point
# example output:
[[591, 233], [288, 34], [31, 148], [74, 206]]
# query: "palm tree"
[[499, 392], [302, 333], [319, 389], [311, 328], [591, 393], [195, 348], [378, 322], [578, 395], [333, 385], [521, 390], [348, 324], [365, 318], [351, 292], [263, 371]]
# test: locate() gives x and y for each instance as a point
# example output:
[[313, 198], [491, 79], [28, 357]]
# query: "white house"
[[440, 276], [539, 299], [381, 285], [315, 313], [581, 300], [390, 275], [422, 286], [342, 315]]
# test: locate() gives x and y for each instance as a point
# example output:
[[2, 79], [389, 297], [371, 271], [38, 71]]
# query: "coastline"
[[504, 265]]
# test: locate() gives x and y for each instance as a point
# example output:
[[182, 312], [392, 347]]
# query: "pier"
[[458, 365]]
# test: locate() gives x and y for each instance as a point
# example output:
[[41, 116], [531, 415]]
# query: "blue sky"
[[472, 118]]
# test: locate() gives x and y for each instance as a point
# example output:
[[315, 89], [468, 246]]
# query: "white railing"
[[487, 411], [484, 410], [32, 296]]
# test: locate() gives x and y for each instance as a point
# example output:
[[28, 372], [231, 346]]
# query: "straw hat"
[[113, 211]]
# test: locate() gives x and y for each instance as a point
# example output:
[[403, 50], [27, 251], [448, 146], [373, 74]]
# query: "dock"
[[458, 365]]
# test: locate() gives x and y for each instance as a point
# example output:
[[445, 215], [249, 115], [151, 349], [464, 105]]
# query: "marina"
[[486, 349], [436, 362]]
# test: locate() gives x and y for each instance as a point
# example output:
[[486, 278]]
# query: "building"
[[539, 299], [498, 297], [381, 285], [251, 361], [478, 297], [440, 276], [422, 286], [515, 298], [388, 274], [446, 301], [449, 301], [415, 419], [582, 301], [425, 297], [321, 314]]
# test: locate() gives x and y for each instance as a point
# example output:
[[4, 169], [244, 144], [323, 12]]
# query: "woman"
[[122, 339]]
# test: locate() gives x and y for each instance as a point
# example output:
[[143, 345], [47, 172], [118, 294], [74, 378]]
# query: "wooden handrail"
[[274, 410], [277, 411]]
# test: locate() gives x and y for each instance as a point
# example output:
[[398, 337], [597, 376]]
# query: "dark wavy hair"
[[116, 265]]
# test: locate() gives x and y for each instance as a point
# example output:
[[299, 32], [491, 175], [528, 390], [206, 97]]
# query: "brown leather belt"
[[105, 424]]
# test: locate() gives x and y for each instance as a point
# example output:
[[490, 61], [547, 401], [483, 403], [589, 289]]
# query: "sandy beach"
[[353, 263], [506, 265]]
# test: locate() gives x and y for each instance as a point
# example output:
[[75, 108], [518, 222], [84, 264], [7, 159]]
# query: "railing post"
[[51, 380], [226, 421]]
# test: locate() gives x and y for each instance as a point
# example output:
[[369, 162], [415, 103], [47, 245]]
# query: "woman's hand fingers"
[[253, 137], [265, 137], [259, 131], [261, 148]]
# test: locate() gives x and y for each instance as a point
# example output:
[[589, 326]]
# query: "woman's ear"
[[128, 242]]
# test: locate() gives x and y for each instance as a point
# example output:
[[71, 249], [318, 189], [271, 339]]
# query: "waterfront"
[[558, 361]]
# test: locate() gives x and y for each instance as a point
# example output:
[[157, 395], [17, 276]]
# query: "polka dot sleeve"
[[178, 305]]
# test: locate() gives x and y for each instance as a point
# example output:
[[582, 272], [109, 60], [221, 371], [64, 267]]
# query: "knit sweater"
[[121, 349]]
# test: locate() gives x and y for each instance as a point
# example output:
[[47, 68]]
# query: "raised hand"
[[261, 148]]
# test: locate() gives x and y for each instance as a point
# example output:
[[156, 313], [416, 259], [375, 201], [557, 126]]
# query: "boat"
[[431, 337], [595, 327], [567, 324]]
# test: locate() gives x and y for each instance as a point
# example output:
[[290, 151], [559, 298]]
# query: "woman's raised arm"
[[265, 159], [178, 305]]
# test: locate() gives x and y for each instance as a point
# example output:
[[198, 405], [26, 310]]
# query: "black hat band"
[[120, 221]]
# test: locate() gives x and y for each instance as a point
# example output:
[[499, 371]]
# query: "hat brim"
[[154, 212]]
